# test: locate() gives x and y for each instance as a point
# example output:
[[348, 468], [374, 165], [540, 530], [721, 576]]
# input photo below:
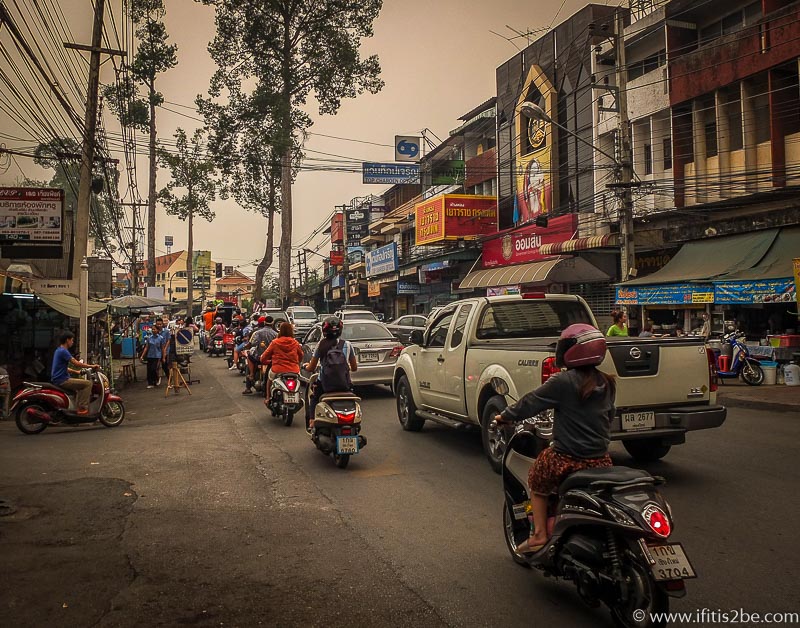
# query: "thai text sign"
[[389, 174], [381, 260], [522, 245], [31, 214], [407, 287], [758, 291], [668, 294], [455, 217]]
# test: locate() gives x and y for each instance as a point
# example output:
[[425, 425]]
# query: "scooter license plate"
[[638, 421], [346, 445], [229, 353], [291, 397], [671, 562]]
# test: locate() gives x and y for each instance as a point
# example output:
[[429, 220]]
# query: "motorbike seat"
[[53, 387], [339, 396], [604, 477]]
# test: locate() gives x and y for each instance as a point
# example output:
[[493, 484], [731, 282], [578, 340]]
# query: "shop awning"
[[579, 244], [70, 306], [556, 270], [710, 259], [776, 264]]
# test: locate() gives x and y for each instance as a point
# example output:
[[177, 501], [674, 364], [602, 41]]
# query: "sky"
[[438, 61]]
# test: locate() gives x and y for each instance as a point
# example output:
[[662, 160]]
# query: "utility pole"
[[80, 242], [135, 229], [346, 266], [300, 269]]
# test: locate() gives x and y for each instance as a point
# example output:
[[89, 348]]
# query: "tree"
[[193, 173], [153, 57], [285, 51]]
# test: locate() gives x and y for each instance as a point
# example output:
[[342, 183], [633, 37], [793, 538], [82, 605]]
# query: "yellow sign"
[[534, 146], [702, 297], [796, 266], [373, 289]]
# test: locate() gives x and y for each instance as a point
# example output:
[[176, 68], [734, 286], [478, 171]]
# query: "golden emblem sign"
[[508, 248], [536, 134]]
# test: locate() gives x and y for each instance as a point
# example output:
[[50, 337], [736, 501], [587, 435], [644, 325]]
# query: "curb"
[[733, 401]]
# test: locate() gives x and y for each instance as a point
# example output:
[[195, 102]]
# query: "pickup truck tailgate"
[[658, 372]]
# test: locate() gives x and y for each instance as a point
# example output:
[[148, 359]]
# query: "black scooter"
[[608, 530]]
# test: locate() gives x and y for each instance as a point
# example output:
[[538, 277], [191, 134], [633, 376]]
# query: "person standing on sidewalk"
[[168, 343], [59, 374], [154, 353]]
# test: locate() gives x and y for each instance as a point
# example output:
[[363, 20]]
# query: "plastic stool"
[[724, 363]]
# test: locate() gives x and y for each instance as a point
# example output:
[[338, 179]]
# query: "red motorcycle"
[[40, 404]]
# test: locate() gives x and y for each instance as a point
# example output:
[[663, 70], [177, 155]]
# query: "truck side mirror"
[[416, 337]]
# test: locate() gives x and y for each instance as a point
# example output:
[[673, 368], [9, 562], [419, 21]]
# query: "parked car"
[[303, 318], [403, 326], [355, 315], [376, 350], [665, 387]]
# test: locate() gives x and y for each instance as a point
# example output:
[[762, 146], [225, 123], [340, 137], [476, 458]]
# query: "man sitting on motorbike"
[[257, 344], [284, 354], [242, 336], [332, 329], [59, 373], [583, 400]]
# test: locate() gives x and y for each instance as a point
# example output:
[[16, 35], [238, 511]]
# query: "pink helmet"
[[580, 345]]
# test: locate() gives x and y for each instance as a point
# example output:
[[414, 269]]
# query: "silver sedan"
[[375, 347]]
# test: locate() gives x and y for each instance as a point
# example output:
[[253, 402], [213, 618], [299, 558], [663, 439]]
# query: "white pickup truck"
[[665, 387]]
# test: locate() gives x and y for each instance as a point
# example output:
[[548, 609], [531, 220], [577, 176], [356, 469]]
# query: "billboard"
[[31, 215], [450, 172], [389, 174], [534, 173], [201, 259], [522, 246], [455, 217], [381, 260]]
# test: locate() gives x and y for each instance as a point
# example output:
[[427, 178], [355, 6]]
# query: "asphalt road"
[[203, 510]]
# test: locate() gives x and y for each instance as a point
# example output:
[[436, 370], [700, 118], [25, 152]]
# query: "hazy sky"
[[438, 60]]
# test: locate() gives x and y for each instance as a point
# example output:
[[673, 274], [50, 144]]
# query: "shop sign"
[[337, 294], [668, 294], [373, 289], [454, 217], [407, 148], [337, 258], [31, 215], [448, 172], [337, 228], [407, 287], [389, 174], [522, 245], [381, 260], [759, 291], [436, 266], [502, 291], [54, 286], [354, 290], [337, 281]]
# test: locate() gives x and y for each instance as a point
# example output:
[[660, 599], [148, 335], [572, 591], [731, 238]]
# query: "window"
[[460, 326], [733, 109], [419, 321], [438, 333], [711, 138], [365, 331], [648, 159], [181, 289], [667, 148], [530, 319], [653, 62], [314, 335]]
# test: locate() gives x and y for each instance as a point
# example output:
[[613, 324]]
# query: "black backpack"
[[335, 373]]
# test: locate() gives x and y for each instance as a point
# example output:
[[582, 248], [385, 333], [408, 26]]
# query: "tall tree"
[[284, 51], [190, 191], [154, 56]]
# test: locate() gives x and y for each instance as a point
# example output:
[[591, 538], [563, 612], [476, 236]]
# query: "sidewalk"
[[778, 398]]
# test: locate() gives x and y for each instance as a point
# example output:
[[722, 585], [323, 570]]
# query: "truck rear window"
[[530, 319]]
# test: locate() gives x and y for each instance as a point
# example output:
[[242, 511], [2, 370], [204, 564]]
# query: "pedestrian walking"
[[154, 353]]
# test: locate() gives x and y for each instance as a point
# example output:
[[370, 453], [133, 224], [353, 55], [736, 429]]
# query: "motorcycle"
[[230, 342], [337, 425], [41, 404], [216, 346], [741, 363], [285, 398], [609, 531]]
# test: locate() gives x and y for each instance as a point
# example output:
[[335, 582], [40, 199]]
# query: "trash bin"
[[770, 372]]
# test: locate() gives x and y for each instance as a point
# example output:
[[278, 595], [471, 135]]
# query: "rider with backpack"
[[337, 358]]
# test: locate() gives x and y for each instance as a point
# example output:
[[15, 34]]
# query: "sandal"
[[526, 548]]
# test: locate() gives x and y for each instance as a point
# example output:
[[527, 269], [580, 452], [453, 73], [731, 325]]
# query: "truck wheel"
[[406, 408], [494, 443], [646, 449]]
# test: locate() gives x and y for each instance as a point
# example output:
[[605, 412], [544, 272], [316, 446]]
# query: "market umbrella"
[[135, 302]]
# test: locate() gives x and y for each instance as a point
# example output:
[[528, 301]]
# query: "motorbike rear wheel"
[[112, 414], [341, 460], [288, 417], [513, 530], [752, 374], [645, 598], [25, 425]]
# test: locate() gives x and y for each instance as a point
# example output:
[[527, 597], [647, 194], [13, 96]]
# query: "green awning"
[[70, 306], [776, 264], [704, 260]]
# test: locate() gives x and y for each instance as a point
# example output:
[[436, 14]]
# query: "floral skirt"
[[551, 468]]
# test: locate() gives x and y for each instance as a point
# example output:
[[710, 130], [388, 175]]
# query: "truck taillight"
[[549, 368], [713, 380]]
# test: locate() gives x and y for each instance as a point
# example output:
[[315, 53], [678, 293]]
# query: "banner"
[[454, 217], [668, 294], [381, 260], [522, 245], [31, 215], [373, 289], [759, 291]]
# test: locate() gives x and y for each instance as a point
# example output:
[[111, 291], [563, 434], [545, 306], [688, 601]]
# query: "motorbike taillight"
[[346, 431], [549, 368], [657, 520], [346, 417], [291, 384]]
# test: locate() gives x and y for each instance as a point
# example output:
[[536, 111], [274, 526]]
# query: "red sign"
[[337, 228], [454, 217], [337, 258], [522, 245]]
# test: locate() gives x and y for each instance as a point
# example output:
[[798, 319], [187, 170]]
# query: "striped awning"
[[580, 244], [556, 270]]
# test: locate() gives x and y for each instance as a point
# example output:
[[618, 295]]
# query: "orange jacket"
[[208, 320], [285, 353]]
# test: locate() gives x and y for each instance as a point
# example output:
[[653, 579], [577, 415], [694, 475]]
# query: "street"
[[203, 510]]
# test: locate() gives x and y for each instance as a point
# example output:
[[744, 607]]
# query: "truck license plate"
[[368, 356], [638, 421], [346, 445], [671, 562]]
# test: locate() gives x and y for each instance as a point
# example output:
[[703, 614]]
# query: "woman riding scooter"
[[583, 400], [284, 354]]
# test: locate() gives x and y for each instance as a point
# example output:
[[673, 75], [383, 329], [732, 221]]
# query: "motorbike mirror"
[[500, 386]]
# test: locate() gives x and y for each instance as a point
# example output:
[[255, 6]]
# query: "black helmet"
[[332, 327]]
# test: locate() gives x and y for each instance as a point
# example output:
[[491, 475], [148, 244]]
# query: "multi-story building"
[[235, 287], [171, 275]]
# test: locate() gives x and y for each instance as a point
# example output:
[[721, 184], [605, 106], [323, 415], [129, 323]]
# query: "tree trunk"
[[151, 195], [266, 261], [285, 253], [189, 274]]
